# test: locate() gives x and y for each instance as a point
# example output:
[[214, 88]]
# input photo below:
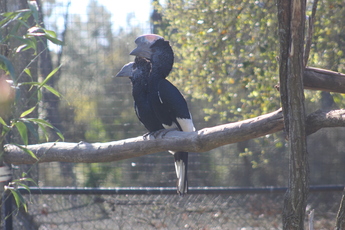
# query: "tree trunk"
[[291, 16]]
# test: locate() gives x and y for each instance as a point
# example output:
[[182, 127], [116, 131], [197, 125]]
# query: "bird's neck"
[[139, 87], [162, 60]]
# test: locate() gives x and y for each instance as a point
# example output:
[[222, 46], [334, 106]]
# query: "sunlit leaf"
[[50, 75], [27, 112], [28, 72], [58, 132], [40, 121], [51, 33], [52, 90], [61, 136], [2, 122], [54, 40], [39, 95]]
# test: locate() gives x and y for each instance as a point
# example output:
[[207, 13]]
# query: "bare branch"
[[325, 80], [201, 141], [311, 21], [322, 79]]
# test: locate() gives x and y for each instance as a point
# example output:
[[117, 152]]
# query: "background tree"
[[227, 66]]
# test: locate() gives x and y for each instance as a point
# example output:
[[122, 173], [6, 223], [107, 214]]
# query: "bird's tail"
[[181, 167]]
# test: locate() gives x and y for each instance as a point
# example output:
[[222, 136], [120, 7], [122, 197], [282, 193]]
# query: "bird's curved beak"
[[142, 51], [143, 45], [126, 70]]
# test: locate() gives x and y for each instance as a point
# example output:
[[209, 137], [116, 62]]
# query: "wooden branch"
[[324, 80], [201, 141], [284, 43], [310, 32]]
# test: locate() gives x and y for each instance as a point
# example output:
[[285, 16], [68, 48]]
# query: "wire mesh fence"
[[96, 107], [202, 209]]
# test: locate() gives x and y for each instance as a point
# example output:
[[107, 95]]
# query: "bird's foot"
[[148, 134], [161, 133]]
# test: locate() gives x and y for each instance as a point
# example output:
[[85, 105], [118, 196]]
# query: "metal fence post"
[[7, 210]]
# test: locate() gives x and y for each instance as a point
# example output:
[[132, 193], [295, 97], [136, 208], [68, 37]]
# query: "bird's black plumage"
[[138, 72], [166, 100]]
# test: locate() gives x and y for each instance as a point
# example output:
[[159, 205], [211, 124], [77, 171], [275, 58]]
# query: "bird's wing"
[[173, 101]]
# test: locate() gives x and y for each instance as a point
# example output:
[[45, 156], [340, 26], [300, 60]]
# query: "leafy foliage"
[[226, 60], [22, 122]]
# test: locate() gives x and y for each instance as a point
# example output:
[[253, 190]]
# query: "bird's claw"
[[146, 135], [161, 132]]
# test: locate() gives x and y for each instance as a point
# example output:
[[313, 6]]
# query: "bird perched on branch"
[[138, 72], [167, 102]]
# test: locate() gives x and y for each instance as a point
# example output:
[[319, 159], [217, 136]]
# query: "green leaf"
[[44, 130], [43, 124], [39, 95], [19, 199], [8, 65], [54, 40], [5, 128], [33, 83], [51, 33], [27, 112], [28, 151], [40, 121], [52, 90], [13, 16], [24, 186], [34, 9], [30, 126], [16, 196], [2, 122], [27, 179], [29, 43], [51, 36], [28, 72], [61, 136], [21, 127], [50, 75]]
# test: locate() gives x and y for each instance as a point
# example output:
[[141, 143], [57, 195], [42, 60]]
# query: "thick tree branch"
[[324, 80], [201, 141]]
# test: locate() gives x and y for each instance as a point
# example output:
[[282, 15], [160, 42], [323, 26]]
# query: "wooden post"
[[291, 16]]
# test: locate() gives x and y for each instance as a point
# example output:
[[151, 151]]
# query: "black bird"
[[166, 100], [139, 71]]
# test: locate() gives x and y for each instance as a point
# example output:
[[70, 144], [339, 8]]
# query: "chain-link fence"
[[221, 208]]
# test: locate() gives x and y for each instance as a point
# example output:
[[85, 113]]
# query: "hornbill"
[[138, 72], [166, 100]]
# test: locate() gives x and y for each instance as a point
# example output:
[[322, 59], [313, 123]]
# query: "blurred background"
[[225, 65]]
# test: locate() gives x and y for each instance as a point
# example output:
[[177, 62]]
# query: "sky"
[[119, 9]]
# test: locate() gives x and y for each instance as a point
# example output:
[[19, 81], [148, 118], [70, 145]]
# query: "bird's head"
[[140, 68], [144, 43]]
